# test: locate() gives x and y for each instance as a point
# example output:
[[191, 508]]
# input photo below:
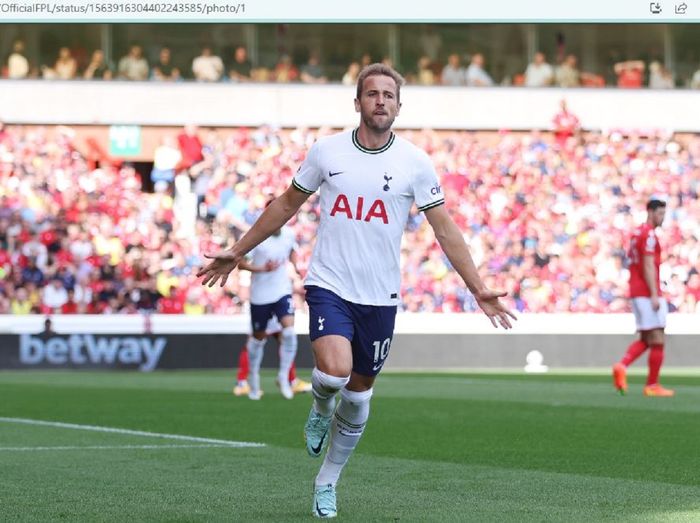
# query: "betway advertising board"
[[125, 351]]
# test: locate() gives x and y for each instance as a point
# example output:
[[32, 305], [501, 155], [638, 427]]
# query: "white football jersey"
[[366, 196], [269, 287]]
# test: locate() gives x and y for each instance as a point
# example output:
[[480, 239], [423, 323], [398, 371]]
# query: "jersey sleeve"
[[426, 186], [648, 243], [309, 175]]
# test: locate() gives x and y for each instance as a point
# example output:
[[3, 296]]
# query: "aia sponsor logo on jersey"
[[376, 210]]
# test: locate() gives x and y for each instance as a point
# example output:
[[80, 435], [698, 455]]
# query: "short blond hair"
[[379, 70]]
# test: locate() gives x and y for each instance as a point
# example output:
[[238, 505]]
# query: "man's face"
[[657, 216], [378, 104]]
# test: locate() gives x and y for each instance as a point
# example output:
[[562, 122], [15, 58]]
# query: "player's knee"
[[255, 346], [327, 383], [289, 337]]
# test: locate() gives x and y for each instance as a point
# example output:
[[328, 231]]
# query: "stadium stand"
[[552, 219]]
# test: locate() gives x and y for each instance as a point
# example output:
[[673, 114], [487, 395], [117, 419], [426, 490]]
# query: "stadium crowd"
[[552, 216], [453, 69]]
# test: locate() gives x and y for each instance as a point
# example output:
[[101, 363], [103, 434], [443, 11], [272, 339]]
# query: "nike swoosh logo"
[[335, 173], [320, 512], [377, 367], [317, 450]]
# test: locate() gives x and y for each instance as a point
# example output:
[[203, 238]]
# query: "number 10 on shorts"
[[381, 350]]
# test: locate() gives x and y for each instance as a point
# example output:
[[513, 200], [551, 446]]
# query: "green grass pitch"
[[479, 446]]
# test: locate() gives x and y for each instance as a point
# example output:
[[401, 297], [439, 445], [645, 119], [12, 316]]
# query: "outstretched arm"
[[452, 242], [274, 217]]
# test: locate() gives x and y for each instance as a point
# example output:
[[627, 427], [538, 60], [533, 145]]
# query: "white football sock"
[[288, 351], [255, 356], [345, 432], [324, 387]]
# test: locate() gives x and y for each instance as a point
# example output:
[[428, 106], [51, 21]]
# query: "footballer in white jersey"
[[368, 181], [366, 196], [271, 297], [269, 286]]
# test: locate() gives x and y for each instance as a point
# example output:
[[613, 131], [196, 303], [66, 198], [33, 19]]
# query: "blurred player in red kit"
[[649, 307], [566, 125]]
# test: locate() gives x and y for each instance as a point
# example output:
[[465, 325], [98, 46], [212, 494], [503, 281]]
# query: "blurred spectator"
[[311, 72], [133, 66], [351, 74], [660, 77], [65, 67], [193, 304], [54, 296], [166, 159], [20, 303], [81, 247], [261, 74], [285, 71], [695, 80], [566, 125], [475, 74], [207, 67], [539, 73], [190, 146], [164, 70], [17, 63], [82, 294], [424, 74], [240, 68], [567, 74], [48, 328], [172, 303], [36, 251], [453, 72], [365, 60], [630, 74], [34, 294], [98, 68]]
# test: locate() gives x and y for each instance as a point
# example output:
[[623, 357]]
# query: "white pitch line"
[[115, 447], [115, 430]]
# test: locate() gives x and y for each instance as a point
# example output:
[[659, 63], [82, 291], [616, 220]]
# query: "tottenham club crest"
[[386, 179]]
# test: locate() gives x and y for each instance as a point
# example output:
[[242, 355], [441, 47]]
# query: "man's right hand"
[[223, 262], [497, 312], [271, 265]]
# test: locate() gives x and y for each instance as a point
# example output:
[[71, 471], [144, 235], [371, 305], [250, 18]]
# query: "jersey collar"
[[364, 149]]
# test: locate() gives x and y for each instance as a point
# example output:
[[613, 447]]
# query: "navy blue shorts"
[[369, 328], [261, 314]]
